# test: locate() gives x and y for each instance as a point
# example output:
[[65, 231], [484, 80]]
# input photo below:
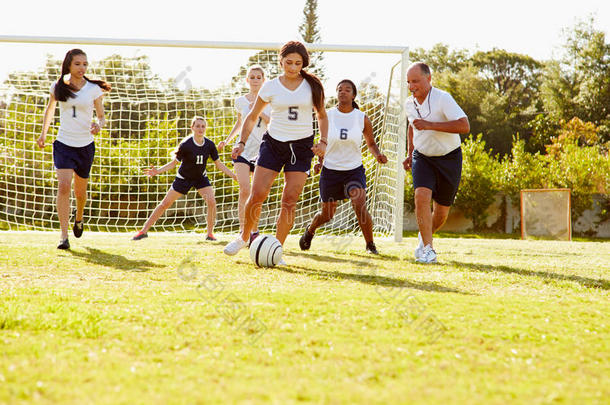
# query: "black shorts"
[[241, 159], [183, 186], [335, 185], [79, 159], [441, 174], [294, 156]]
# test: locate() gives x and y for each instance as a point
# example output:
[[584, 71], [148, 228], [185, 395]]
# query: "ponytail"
[[64, 91], [317, 89], [355, 105]]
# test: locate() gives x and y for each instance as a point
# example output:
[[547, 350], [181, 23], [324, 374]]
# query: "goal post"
[[546, 213], [148, 115]]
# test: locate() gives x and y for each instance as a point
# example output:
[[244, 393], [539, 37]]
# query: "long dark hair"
[[64, 91], [355, 91], [317, 89]]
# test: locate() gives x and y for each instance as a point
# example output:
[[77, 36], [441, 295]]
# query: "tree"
[[440, 59], [310, 33], [578, 85]]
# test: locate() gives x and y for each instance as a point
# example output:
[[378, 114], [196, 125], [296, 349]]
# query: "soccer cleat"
[[371, 248], [232, 248], [211, 237], [305, 241], [253, 235], [420, 247], [64, 244], [140, 235], [428, 255], [282, 262], [78, 229]]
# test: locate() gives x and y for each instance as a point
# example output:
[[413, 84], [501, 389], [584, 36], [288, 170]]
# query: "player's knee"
[[244, 191], [422, 197], [80, 195], [63, 188]]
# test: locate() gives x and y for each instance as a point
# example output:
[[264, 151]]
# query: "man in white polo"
[[434, 154]]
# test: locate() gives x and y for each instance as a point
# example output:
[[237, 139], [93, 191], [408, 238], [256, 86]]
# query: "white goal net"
[[148, 115], [545, 213]]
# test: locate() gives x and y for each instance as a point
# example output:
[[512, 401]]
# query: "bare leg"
[[171, 196], [80, 192], [423, 212], [64, 180], [242, 171], [439, 216], [261, 185], [208, 195], [358, 197], [294, 182], [326, 214]]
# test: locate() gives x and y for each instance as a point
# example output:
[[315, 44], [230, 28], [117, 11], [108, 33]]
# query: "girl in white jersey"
[[343, 174], [288, 143], [244, 164], [73, 150]]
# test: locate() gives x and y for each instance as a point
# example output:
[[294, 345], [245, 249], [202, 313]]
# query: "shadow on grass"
[[96, 256], [330, 259], [372, 279], [584, 281]]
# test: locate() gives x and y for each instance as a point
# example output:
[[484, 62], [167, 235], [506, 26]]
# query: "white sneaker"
[[232, 248], [282, 262], [428, 255], [419, 250]]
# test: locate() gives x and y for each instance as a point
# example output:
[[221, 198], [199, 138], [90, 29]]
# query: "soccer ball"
[[266, 251]]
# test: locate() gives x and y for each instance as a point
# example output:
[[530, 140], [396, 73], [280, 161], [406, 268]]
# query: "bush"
[[479, 183]]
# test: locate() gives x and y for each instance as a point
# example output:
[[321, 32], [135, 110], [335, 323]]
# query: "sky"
[[532, 27]]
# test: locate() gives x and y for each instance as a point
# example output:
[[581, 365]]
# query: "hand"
[[237, 151], [422, 124], [40, 141], [150, 172], [383, 159], [319, 149], [95, 128], [317, 168], [221, 145], [408, 163]]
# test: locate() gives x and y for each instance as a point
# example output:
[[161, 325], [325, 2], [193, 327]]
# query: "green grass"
[[498, 321]]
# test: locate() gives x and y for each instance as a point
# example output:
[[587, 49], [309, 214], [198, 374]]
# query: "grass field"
[[170, 319]]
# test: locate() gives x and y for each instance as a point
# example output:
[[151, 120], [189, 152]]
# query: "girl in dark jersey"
[[192, 154]]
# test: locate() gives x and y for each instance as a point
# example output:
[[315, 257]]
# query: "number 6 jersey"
[[344, 139]]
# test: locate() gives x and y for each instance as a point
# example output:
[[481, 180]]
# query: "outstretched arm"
[[320, 148], [248, 126], [150, 172], [46, 121], [221, 166], [232, 134], [370, 141]]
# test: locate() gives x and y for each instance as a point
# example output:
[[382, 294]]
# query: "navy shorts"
[[441, 174], [241, 159], [183, 186], [294, 156], [335, 185], [79, 159]]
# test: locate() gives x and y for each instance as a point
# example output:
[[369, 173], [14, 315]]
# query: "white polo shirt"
[[438, 106], [75, 116], [291, 110]]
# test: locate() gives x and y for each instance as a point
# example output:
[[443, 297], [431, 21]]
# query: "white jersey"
[[75, 116], [242, 105], [345, 132], [438, 106], [291, 110]]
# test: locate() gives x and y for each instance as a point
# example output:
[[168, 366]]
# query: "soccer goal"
[[545, 213], [157, 87]]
